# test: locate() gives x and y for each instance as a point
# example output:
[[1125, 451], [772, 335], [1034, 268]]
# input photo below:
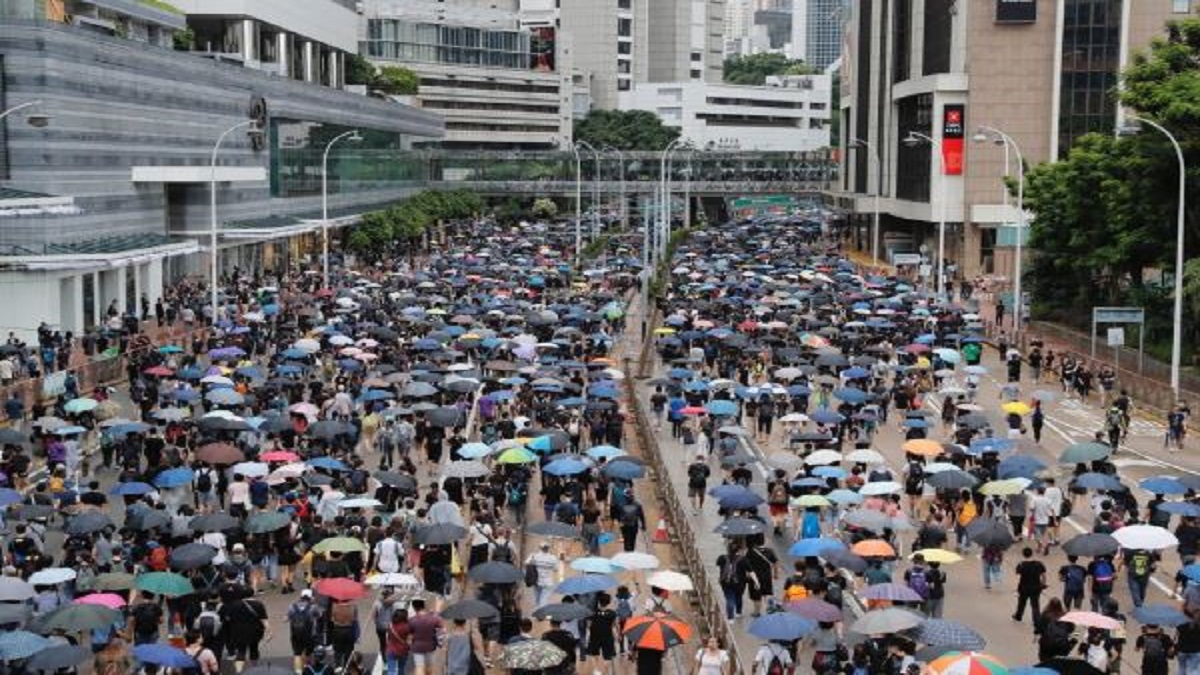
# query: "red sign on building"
[[953, 134]]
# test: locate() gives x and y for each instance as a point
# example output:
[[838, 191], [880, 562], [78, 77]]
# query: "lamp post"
[[985, 133], [38, 120], [916, 138], [354, 138], [1180, 240], [212, 190], [665, 191], [621, 178], [865, 144], [578, 198], [595, 186]]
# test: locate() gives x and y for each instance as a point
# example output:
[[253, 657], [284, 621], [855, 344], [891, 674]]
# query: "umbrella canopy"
[[670, 580], [886, 621], [87, 523], [781, 626], [1091, 544], [340, 545], [634, 560], [470, 609], [553, 529], [1091, 620], [220, 453], [340, 588], [740, 527], [165, 656], [21, 644], [1089, 451], [967, 663], [1160, 615], [109, 600], [15, 589], [658, 631], [192, 556], [990, 532], [266, 521], [57, 658], [946, 633], [439, 534], [164, 583], [214, 522], [1149, 537], [891, 591], [495, 572], [562, 611], [52, 576], [77, 619], [531, 655], [585, 583], [816, 610]]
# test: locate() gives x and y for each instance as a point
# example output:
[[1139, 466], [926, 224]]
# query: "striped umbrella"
[[945, 633], [658, 631], [967, 663]]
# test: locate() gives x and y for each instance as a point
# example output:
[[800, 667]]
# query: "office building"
[[499, 75], [817, 31], [1042, 72], [118, 181], [790, 114]]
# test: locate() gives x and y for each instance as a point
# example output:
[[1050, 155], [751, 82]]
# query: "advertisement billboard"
[[953, 134]]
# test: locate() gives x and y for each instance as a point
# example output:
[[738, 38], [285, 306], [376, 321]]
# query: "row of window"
[[489, 86]]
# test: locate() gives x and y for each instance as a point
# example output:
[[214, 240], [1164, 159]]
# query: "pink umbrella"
[[109, 600]]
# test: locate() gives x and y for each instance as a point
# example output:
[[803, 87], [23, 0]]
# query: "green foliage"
[[625, 130], [359, 70], [183, 39], [544, 208], [379, 232], [161, 6], [396, 81], [755, 68], [1163, 81]]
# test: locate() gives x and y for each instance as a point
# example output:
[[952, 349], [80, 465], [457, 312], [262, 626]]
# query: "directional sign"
[[1116, 337], [1119, 315]]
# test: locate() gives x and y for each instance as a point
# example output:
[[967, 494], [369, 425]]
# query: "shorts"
[[778, 509], [694, 491], [757, 592], [602, 647], [423, 660], [241, 649], [302, 647]]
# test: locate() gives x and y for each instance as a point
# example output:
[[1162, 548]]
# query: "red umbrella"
[[159, 371], [220, 453], [341, 588], [658, 631], [693, 410], [279, 456]]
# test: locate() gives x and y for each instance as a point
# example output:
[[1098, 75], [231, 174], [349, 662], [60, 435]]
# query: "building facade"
[[942, 68], [791, 116], [501, 78], [131, 134]]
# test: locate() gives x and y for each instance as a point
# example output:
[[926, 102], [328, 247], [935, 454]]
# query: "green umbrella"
[[340, 545], [269, 521], [164, 583], [112, 581], [1089, 451], [77, 619]]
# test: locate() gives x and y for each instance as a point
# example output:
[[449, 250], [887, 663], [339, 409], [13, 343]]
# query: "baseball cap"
[[306, 593], [239, 547]]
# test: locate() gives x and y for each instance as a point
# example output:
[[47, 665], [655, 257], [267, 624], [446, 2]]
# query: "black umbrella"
[[1091, 544], [952, 480], [214, 522], [740, 527], [400, 481], [439, 534], [329, 429], [444, 417], [843, 558], [192, 556], [31, 511], [562, 611], [990, 532], [147, 519], [12, 437], [495, 572], [470, 609], [87, 523], [1070, 667], [58, 658], [550, 528]]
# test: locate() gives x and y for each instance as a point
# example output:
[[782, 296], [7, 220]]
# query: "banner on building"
[[1016, 11], [953, 133]]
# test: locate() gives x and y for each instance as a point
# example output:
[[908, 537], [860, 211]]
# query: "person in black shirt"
[[565, 641], [93, 496], [1188, 534], [602, 631], [1187, 647], [762, 563], [1031, 581]]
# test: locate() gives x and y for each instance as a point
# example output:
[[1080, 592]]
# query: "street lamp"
[[624, 201], [36, 120], [212, 193], [595, 186], [866, 145], [665, 190], [917, 138], [983, 135], [1177, 329], [578, 198], [353, 137]]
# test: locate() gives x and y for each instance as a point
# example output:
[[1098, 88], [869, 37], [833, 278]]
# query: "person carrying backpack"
[[733, 573], [1074, 578], [772, 659], [777, 500], [145, 619], [1139, 565], [1157, 650], [1102, 572], [207, 662], [303, 621], [633, 518], [917, 579], [208, 624], [698, 473], [914, 485]]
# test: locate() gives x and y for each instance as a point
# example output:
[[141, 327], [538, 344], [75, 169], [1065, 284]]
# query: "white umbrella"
[[939, 467], [636, 561], [880, 487], [1147, 537], [785, 460], [251, 469], [669, 580], [52, 576], [865, 457], [884, 621], [392, 579], [823, 457], [341, 340], [359, 503], [307, 345], [794, 417], [217, 379]]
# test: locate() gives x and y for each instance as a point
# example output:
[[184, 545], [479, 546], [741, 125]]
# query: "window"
[[623, 85], [624, 4], [696, 74], [1181, 6], [901, 39], [625, 27], [624, 48], [1091, 50], [914, 113], [938, 28]]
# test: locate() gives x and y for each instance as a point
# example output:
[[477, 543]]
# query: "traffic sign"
[[1116, 337]]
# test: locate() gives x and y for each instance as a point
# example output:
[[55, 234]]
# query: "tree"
[[396, 81], [359, 70], [625, 130], [544, 208], [380, 232], [754, 68]]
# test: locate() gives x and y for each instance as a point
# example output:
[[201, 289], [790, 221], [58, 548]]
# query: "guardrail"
[[712, 612]]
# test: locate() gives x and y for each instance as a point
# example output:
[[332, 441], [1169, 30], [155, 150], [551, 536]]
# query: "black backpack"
[[302, 623], [146, 617], [502, 553], [204, 481], [629, 515], [358, 481]]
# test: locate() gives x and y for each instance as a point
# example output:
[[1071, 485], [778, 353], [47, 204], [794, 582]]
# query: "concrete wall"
[[591, 26], [324, 21]]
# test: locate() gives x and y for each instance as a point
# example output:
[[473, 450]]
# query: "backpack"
[[516, 494], [697, 475], [301, 622], [1102, 576], [208, 624], [775, 666], [729, 570], [342, 614], [916, 476], [918, 582], [779, 493], [502, 553], [358, 481], [204, 481], [794, 590], [1139, 564], [629, 515], [1075, 576], [624, 608], [1154, 650], [146, 618], [833, 595], [260, 493]]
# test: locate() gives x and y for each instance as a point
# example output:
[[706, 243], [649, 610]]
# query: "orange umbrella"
[[922, 446], [873, 548], [657, 631], [340, 588]]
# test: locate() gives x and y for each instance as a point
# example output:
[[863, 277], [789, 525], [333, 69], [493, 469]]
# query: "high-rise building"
[[499, 75], [817, 31], [1042, 72]]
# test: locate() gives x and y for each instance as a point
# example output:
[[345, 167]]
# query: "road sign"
[[1116, 337], [906, 258], [1119, 315], [925, 270]]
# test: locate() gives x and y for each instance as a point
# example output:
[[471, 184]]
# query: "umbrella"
[[77, 619], [164, 583], [145, 520], [873, 548], [52, 576], [392, 579], [400, 481], [267, 521], [562, 611], [781, 626], [1096, 481], [740, 500], [922, 446], [340, 545], [220, 453], [891, 591], [952, 480], [1002, 487], [624, 470], [885, 621], [880, 487], [213, 522], [21, 644], [531, 655], [990, 532], [806, 548], [823, 457], [1160, 615], [87, 523], [109, 600], [1078, 453], [192, 556], [466, 469], [740, 527], [340, 588], [439, 534], [14, 589], [176, 477], [113, 581], [553, 529], [165, 656], [816, 610], [634, 560], [585, 583], [57, 658], [658, 631], [843, 558], [1148, 537], [967, 663], [937, 555], [567, 466], [946, 633], [1164, 485], [495, 572], [1091, 544], [595, 565], [1091, 620], [470, 609], [670, 580]]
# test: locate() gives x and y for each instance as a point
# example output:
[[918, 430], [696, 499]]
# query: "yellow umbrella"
[[1001, 487], [937, 555], [665, 330], [922, 446], [923, 363], [812, 500], [1018, 407]]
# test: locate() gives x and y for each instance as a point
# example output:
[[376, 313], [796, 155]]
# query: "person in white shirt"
[[768, 654], [1043, 513], [546, 564], [217, 541], [711, 659], [1056, 497], [389, 554]]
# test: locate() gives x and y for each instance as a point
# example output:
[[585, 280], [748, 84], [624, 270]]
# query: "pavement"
[[989, 612]]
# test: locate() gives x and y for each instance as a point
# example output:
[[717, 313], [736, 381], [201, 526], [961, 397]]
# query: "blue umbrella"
[[176, 477], [293, 353], [624, 470], [586, 583], [571, 402], [698, 385], [843, 496], [350, 364], [806, 548], [1096, 481], [781, 626], [475, 450], [541, 444], [1174, 508], [808, 482], [1032, 670], [377, 395], [165, 656], [982, 445], [249, 371], [127, 428], [565, 467], [855, 373], [604, 392], [721, 407], [680, 374], [224, 397], [21, 644], [915, 423], [1159, 615], [9, 496], [69, 431], [1022, 466], [604, 452], [133, 488], [826, 417], [798, 390], [1192, 572], [328, 463], [593, 565], [829, 472], [1164, 485]]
